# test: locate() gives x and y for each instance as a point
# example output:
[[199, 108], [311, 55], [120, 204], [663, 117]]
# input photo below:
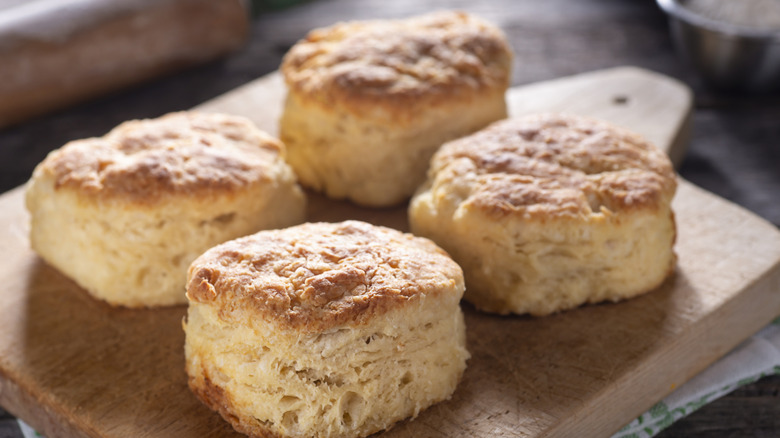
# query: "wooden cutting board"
[[73, 367]]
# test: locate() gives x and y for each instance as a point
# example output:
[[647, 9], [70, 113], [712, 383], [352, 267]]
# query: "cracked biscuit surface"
[[548, 212], [124, 214], [369, 102], [148, 161], [329, 330]]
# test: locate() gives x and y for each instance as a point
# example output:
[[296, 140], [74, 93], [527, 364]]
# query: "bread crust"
[[317, 276], [116, 43]]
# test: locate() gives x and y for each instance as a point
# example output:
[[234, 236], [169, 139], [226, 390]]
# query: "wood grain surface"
[[72, 366]]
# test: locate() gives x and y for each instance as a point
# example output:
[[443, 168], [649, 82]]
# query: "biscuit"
[[369, 102], [548, 212], [125, 214], [324, 330]]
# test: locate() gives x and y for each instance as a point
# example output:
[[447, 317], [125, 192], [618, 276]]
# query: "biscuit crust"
[[187, 154], [316, 276], [124, 215], [325, 330], [556, 165], [369, 102], [395, 69], [548, 212]]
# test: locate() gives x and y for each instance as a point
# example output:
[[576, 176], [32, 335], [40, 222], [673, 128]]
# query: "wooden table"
[[734, 152]]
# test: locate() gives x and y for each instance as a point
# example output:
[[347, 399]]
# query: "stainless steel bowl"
[[726, 56]]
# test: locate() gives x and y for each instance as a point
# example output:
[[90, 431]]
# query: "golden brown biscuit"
[[125, 214], [324, 330], [547, 212], [370, 102]]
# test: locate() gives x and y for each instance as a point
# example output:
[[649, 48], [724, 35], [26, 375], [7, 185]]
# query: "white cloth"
[[753, 359]]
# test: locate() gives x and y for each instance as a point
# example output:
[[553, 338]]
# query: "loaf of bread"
[[369, 102], [324, 329], [124, 215], [548, 212], [57, 53]]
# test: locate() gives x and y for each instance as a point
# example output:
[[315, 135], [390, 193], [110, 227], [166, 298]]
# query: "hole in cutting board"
[[620, 99]]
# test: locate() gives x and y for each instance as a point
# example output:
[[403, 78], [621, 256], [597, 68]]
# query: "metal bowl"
[[726, 56]]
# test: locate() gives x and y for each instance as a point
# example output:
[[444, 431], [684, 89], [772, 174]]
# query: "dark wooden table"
[[735, 151]]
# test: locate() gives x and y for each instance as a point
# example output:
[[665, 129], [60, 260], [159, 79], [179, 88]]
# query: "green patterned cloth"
[[755, 358]]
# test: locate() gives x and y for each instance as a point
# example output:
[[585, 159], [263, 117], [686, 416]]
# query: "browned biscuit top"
[[319, 275], [144, 161], [551, 165], [443, 55]]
